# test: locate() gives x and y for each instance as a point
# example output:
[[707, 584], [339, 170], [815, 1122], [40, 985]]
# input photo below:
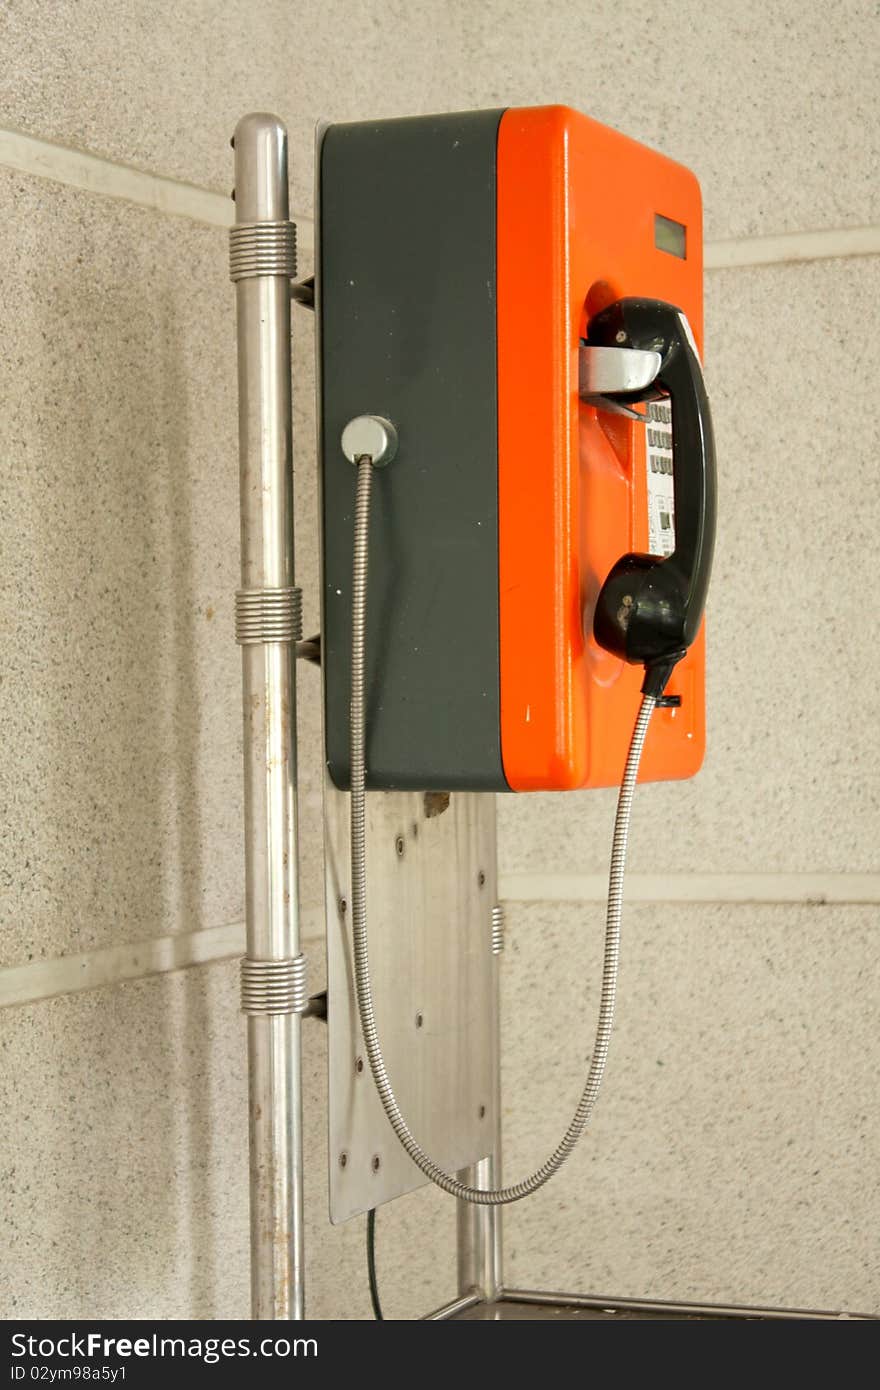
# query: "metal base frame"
[[527, 1305]]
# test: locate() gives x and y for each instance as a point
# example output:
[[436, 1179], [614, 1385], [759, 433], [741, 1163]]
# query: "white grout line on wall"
[[109, 965], [791, 247], [43, 979], [95, 174], [808, 889], [77, 169]]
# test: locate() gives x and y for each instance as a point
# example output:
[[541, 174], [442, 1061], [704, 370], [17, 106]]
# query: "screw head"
[[420, 1018], [343, 906], [358, 1065], [481, 879], [376, 1164], [400, 846], [482, 1112], [343, 1159]]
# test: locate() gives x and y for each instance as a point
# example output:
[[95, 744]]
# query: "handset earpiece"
[[649, 609]]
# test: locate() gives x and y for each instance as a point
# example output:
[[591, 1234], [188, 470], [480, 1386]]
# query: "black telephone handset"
[[649, 609]]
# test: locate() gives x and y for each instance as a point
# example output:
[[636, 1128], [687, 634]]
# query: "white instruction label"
[[661, 493]]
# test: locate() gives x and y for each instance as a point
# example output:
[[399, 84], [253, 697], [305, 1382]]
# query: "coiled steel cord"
[[447, 1181]]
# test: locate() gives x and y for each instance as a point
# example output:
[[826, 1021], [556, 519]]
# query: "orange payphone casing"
[[576, 230]]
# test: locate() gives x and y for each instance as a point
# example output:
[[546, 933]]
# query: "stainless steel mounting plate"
[[431, 886]]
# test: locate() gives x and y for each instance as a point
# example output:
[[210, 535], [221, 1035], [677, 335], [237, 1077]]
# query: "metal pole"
[[479, 1237], [479, 1228], [267, 621]]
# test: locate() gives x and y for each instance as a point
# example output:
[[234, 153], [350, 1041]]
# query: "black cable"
[[371, 1266]]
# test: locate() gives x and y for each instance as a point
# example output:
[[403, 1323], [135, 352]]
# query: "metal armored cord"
[[363, 988]]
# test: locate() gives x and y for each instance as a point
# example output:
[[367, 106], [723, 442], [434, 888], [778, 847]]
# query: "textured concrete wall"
[[735, 1153]]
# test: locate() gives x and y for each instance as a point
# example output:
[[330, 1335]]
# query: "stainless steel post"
[[479, 1228], [479, 1236], [267, 614]]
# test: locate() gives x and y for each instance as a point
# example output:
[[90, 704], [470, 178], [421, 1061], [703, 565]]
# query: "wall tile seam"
[[97, 174], [791, 248], [42, 980], [727, 889]]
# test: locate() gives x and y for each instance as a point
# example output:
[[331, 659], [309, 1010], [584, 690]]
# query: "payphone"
[[470, 265]]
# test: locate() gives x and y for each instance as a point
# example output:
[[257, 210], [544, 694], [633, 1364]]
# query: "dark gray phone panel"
[[407, 271]]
